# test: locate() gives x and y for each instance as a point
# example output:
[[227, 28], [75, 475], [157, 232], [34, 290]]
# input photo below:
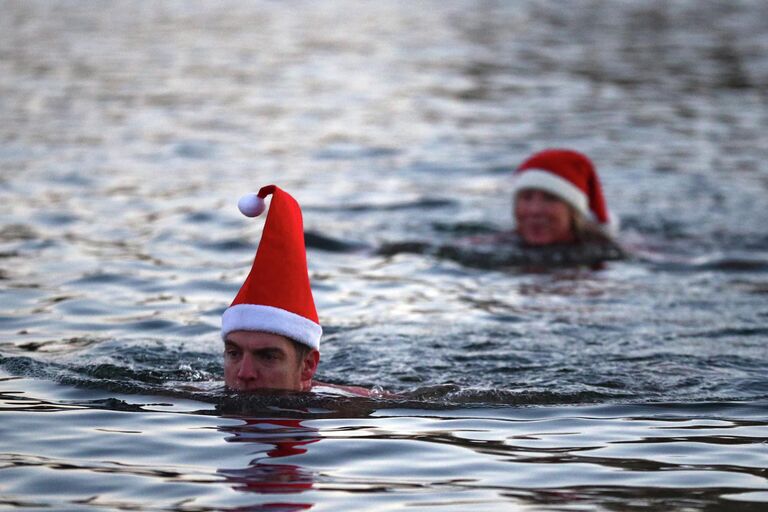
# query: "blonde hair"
[[586, 230]]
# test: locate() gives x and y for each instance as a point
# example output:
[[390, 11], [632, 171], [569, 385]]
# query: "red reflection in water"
[[288, 437]]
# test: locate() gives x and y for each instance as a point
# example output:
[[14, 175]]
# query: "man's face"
[[260, 360]]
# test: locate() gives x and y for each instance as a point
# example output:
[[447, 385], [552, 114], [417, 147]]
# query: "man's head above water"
[[261, 360], [271, 331]]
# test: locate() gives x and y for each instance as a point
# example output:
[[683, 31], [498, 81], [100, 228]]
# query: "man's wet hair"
[[301, 350]]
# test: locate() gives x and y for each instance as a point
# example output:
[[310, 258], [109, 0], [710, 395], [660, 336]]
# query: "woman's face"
[[542, 218]]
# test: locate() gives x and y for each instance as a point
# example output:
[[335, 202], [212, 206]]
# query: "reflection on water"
[[266, 474], [184, 455], [130, 130]]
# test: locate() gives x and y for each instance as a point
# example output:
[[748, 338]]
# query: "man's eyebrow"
[[268, 351], [260, 350], [232, 345]]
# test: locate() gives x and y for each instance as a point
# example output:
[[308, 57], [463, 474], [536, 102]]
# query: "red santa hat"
[[570, 176], [276, 296]]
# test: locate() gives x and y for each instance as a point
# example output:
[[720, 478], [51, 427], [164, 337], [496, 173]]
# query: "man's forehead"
[[258, 339]]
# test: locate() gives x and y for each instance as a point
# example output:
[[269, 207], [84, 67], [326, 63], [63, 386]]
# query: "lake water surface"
[[129, 130]]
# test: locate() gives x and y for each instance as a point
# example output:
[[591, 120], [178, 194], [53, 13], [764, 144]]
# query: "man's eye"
[[231, 353], [269, 356]]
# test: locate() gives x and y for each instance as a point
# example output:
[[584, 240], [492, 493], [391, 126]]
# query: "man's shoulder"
[[343, 390]]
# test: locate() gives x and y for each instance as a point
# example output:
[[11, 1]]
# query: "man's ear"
[[309, 366]]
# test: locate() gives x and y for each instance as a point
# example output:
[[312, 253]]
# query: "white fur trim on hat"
[[554, 184], [613, 226], [256, 317]]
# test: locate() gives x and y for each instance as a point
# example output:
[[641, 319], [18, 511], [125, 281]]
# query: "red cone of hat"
[[276, 296]]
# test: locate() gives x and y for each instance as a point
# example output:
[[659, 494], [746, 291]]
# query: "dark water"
[[128, 131]]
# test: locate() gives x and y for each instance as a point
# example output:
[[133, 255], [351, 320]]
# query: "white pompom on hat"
[[276, 296], [251, 205]]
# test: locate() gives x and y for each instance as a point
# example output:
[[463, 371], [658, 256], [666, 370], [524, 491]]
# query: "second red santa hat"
[[570, 176]]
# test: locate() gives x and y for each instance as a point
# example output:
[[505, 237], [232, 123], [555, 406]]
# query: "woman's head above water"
[[557, 199]]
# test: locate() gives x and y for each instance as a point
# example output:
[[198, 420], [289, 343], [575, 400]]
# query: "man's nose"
[[247, 370]]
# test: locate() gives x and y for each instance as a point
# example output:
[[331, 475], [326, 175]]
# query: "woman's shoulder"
[[504, 249]]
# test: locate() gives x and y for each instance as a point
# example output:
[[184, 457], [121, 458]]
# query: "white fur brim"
[[254, 317], [562, 188]]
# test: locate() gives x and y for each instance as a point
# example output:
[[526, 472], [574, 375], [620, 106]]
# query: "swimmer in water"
[[558, 200], [561, 219], [271, 331]]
